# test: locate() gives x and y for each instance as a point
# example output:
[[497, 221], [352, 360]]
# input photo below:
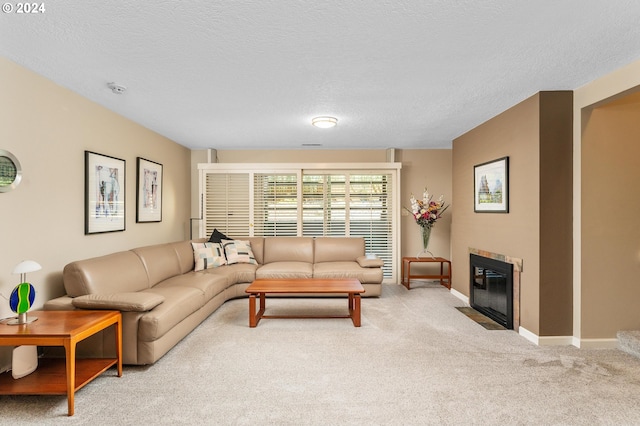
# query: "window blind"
[[305, 202], [324, 205], [275, 204], [371, 214]]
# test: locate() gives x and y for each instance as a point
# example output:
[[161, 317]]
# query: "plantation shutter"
[[275, 204], [371, 215], [324, 205], [226, 204]]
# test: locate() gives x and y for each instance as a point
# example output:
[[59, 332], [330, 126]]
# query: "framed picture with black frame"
[[149, 191], [491, 186], [104, 184]]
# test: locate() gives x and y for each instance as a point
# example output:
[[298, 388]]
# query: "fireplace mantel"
[[515, 261]]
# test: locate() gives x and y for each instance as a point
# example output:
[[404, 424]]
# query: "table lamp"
[[24, 294]]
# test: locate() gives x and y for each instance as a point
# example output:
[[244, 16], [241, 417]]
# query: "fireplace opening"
[[492, 289]]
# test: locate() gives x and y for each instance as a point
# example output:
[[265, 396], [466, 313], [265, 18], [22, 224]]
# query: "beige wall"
[[593, 326], [429, 168], [48, 128], [514, 133], [610, 229], [303, 156], [536, 129]]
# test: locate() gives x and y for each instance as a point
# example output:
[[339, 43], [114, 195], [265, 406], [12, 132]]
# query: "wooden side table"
[[445, 280], [60, 328]]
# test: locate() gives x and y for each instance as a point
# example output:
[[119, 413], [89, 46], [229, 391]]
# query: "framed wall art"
[[491, 186], [149, 191], [104, 209]]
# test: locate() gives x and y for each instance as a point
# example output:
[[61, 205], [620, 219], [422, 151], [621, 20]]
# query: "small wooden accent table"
[[445, 280], [60, 328], [260, 287]]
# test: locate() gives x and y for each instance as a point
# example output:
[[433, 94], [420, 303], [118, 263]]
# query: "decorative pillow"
[[238, 251], [208, 255], [217, 237]]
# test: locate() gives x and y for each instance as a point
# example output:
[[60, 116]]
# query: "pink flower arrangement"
[[426, 211]]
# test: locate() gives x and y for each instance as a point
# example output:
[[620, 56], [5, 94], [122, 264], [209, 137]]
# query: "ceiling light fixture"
[[324, 122]]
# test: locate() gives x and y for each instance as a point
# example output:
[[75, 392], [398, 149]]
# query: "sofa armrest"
[[370, 261], [62, 303], [126, 302]]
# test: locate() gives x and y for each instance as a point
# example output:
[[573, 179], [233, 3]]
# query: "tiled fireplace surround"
[[517, 269]]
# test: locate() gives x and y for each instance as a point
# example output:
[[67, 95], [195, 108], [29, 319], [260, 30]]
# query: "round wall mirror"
[[10, 171]]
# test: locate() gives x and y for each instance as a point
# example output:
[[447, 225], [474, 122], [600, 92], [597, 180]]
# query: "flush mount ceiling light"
[[324, 122]]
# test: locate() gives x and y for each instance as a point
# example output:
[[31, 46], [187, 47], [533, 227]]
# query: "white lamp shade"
[[26, 266]]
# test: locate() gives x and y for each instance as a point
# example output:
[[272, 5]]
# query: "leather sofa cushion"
[[184, 251], [127, 302], [288, 249], [370, 261], [336, 249], [179, 303], [210, 285], [285, 270], [161, 262], [257, 247], [118, 272], [236, 273], [347, 270]]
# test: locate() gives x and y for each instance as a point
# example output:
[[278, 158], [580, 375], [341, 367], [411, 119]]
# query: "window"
[[323, 205], [275, 204], [241, 200]]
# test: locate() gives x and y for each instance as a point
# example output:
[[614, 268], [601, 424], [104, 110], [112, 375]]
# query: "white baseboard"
[[460, 296], [545, 340], [595, 343], [568, 341], [533, 338], [555, 340]]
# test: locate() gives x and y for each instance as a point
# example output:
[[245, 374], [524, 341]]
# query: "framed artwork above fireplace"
[[491, 186]]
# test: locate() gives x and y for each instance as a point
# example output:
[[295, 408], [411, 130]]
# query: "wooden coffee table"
[[260, 287], [60, 328]]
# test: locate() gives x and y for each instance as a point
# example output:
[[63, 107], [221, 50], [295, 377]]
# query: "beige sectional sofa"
[[162, 298]]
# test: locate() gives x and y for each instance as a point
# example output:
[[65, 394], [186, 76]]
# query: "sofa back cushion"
[[257, 247], [184, 251], [338, 249], [119, 272], [161, 262], [288, 249]]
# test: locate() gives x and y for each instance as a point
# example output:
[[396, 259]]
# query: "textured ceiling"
[[251, 74]]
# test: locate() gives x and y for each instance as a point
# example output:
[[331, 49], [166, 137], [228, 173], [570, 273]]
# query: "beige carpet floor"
[[416, 360]]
